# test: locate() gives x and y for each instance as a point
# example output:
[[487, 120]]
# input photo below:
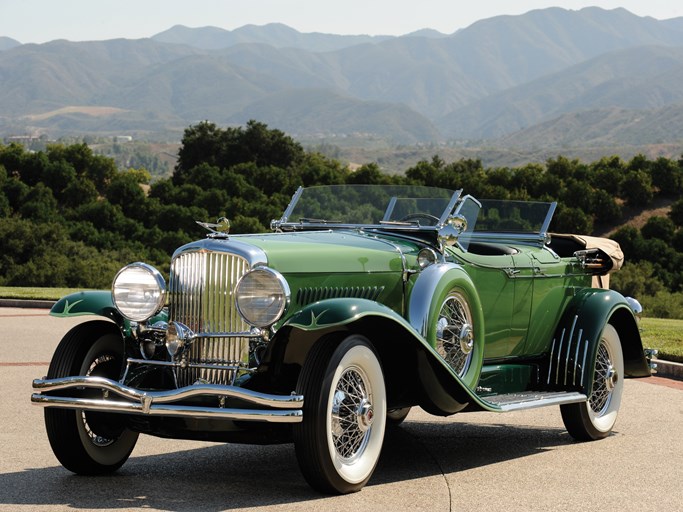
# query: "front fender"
[[410, 362], [572, 357], [331, 313], [96, 302], [85, 303]]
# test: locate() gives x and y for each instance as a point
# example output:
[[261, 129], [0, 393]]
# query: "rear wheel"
[[339, 441], [595, 418], [89, 443]]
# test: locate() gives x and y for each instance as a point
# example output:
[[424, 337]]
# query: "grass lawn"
[[11, 292], [665, 335]]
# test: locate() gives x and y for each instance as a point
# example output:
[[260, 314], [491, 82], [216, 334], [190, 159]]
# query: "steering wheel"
[[433, 221]]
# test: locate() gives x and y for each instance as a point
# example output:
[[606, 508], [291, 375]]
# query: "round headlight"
[[139, 291], [262, 296], [426, 257]]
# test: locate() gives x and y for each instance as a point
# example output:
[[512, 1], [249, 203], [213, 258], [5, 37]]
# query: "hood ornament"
[[218, 230]]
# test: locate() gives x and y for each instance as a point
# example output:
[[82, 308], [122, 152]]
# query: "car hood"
[[329, 251]]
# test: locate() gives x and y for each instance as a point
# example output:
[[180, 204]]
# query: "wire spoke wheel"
[[595, 418], [603, 381], [340, 438], [454, 333], [352, 414]]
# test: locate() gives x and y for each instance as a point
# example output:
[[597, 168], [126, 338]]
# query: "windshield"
[[414, 208], [506, 216], [370, 205]]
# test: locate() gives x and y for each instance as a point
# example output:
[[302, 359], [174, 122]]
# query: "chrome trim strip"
[[576, 356], [583, 364], [156, 402], [552, 352], [559, 354]]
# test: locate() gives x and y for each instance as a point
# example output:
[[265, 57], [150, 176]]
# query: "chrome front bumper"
[[274, 408]]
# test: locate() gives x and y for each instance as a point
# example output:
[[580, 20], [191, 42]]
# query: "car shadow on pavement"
[[225, 477]]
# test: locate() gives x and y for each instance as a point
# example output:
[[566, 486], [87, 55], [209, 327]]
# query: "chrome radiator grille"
[[201, 297]]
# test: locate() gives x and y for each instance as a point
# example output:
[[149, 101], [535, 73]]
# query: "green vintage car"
[[363, 302]]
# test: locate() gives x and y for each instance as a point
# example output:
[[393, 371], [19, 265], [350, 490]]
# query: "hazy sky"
[[38, 21]]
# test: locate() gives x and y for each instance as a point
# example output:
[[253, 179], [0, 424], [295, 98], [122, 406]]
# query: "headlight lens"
[[426, 257], [139, 291], [262, 296]]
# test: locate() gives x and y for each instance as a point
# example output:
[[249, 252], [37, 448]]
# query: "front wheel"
[[339, 441], [595, 418], [89, 443]]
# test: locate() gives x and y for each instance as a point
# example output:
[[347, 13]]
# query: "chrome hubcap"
[[466, 339], [611, 378], [365, 415]]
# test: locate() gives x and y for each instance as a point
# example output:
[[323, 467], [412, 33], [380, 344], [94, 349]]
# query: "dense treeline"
[[69, 217]]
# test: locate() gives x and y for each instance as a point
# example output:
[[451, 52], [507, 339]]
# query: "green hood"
[[328, 251]]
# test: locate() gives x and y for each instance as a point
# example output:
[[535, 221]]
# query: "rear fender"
[[576, 341]]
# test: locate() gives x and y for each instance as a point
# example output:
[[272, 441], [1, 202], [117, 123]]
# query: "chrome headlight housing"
[[262, 296], [139, 291]]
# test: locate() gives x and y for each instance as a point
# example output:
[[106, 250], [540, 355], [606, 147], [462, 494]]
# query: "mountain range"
[[547, 78]]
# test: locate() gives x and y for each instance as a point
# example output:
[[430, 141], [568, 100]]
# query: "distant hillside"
[[602, 127], [647, 77], [499, 77], [273, 34], [304, 112], [7, 42]]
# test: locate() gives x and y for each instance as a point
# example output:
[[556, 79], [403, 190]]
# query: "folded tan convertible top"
[[609, 247]]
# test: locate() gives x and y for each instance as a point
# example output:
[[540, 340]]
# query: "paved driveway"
[[476, 461]]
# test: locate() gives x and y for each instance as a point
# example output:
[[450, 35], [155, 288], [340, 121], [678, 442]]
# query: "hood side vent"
[[310, 295]]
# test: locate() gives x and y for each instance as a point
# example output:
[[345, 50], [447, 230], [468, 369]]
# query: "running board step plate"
[[533, 399]]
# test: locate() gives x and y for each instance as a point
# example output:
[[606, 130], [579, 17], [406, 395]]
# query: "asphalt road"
[[517, 461]]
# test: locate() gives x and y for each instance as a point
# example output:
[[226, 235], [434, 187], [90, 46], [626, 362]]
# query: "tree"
[[368, 174], [126, 192], [667, 177], [39, 204], [205, 143], [676, 213], [661, 228], [637, 189], [571, 220]]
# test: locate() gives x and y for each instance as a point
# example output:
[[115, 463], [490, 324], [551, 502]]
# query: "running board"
[[532, 399]]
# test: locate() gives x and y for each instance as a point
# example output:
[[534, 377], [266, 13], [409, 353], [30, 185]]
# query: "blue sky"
[[38, 21]]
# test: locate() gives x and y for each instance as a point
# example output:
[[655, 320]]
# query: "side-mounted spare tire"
[[445, 308]]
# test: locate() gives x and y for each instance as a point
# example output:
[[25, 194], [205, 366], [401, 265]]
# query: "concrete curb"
[[668, 369], [26, 303]]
